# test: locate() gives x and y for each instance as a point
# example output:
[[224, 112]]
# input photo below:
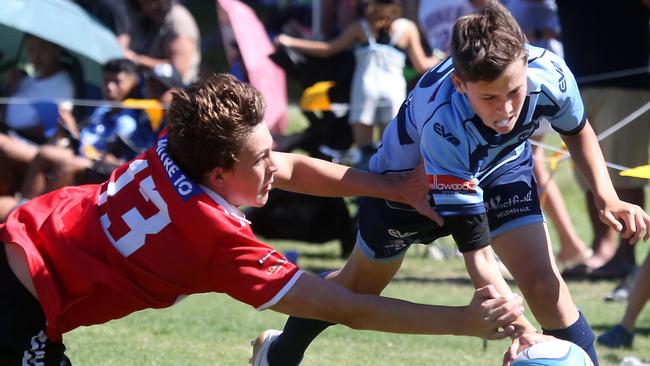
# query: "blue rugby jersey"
[[459, 151]]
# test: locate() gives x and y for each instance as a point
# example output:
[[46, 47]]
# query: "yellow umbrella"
[[642, 172]]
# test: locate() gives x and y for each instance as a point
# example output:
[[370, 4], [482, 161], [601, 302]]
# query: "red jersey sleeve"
[[251, 271]]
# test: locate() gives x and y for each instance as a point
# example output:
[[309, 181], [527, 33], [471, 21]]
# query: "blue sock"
[[579, 333]]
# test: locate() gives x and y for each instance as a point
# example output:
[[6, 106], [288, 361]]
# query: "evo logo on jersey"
[[397, 234], [447, 184], [562, 80], [440, 130]]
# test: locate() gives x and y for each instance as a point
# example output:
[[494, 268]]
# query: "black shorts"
[[387, 229], [22, 325]]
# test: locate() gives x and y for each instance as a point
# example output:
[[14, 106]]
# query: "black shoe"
[[579, 271], [613, 271]]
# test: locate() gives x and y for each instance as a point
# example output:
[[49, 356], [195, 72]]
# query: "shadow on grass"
[[602, 328], [460, 281], [322, 255]]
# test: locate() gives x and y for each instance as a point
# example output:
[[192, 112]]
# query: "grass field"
[[215, 329]]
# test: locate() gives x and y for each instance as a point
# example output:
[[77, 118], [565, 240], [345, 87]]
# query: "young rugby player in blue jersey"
[[470, 119]]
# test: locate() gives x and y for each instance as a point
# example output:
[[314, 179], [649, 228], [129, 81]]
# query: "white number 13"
[[138, 225]]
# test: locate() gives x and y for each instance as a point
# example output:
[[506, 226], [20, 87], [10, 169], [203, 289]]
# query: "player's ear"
[[215, 177], [458, 83]]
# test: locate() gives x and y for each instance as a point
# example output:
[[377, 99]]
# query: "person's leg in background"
[[572, 249], [606, 107], [622, 334]]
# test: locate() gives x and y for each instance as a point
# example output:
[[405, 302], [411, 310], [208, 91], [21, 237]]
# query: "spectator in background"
[[378, 85], [436, 18], [610, 62], [116, 15], [622, 335], [49, 80], [161, 82], [539, 21], [331, 17], [24, 122], [166, 32], [105, 139]]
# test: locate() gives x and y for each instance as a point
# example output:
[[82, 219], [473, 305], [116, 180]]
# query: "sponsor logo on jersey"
[[393, 247], [276, 263], [183, 185], [397, 234], [562, 80], [440, 130], [447, 184], [265, 257], [275, 268], [515, 204]]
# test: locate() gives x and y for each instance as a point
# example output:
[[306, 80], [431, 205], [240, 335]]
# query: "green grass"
[[214, 329]]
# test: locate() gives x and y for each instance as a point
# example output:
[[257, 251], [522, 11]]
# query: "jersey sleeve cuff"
[[280, 294]]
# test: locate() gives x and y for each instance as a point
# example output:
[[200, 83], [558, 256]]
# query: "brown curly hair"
[[209, 122], [484, 44]]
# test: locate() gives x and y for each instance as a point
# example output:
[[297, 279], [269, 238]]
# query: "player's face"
[[249, 181], [499, 102], [117, 86]]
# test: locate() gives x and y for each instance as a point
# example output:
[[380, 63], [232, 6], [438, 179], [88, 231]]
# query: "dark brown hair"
[[209, 122], [382, 13], [484, 44]]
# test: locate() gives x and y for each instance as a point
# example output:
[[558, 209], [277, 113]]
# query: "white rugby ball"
[[553, 353]]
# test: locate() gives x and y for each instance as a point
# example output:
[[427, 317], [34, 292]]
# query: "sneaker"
[[632, 361], [616, 337], [261, 347], [622, 291]]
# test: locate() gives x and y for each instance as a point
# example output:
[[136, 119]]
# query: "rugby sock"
[[298, 333], [289, 348], [579, 333]]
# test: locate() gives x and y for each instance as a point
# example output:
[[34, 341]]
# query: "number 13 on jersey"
[[125, 203]]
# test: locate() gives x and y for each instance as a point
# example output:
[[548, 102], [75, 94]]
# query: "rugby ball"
[[553, 352]]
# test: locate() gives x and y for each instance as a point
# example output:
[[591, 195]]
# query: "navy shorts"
[[22, 325], [387, 229]]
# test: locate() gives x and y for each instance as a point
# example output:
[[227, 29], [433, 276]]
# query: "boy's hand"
[[628, 219], [489, 315], [413, 190], [521, 343]]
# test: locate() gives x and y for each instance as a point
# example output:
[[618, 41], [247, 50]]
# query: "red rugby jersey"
[[143, 239]]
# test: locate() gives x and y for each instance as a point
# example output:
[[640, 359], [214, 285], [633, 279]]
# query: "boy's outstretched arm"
[[488, 315], [628, 219], [302, 174]]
